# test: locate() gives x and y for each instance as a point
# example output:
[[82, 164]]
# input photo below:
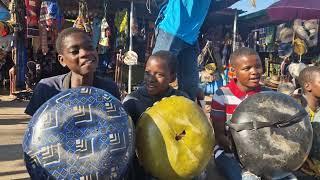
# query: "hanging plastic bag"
[[105, 33]]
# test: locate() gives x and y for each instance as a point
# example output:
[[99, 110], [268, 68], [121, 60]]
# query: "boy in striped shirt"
[[247, 66]]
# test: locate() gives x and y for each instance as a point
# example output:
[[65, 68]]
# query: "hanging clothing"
[[96, 31], [121, 21], [50, 14], [121, 24], [32, 11]]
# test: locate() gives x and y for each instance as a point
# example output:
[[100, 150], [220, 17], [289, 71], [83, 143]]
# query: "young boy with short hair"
[[160, 71], [309, 80], [247, 66], [76, 51]]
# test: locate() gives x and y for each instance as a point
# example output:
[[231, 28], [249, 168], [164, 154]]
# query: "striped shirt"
[[227, 98]]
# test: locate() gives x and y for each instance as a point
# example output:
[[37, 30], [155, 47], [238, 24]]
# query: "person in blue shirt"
[[76, 51], [177, 29]]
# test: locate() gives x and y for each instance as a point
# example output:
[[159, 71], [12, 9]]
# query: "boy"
[[309, 80], [76, 51], [247, 67], [160, 71]]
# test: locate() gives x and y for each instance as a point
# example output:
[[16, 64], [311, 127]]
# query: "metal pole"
[[235, 30], [130, 46]]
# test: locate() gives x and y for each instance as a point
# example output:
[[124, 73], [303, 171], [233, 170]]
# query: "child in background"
[[309, 80]]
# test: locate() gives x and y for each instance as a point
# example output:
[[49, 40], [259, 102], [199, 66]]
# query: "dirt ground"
[[13, 123]]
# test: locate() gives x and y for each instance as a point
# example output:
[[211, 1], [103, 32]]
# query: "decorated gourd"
[[81, 133], [175, 139]]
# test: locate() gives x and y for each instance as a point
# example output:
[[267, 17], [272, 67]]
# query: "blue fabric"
[[212, 87], [96, 27], [228, 167], [187, 66], [4, 14], [183, 18]]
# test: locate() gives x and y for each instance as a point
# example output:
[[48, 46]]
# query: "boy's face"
[[314, 86], [157, 76], [248, 70], [79, 54]]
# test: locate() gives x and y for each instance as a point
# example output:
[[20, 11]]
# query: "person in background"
[[177, 30], [13, 79], [309, 80]]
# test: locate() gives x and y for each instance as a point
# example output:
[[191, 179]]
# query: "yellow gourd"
[[174, 139]]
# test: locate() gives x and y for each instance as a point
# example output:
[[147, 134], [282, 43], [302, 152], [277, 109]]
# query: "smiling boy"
[[76, 51], [160, 71]]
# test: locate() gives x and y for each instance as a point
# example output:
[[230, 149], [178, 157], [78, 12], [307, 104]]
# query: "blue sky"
[[246, 6]]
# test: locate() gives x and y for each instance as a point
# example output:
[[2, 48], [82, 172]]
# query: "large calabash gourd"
[[174, 139], [272, 134]]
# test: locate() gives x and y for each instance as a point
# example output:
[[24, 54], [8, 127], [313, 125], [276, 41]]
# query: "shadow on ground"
[[11, 152], [24, 120], [13, 104]]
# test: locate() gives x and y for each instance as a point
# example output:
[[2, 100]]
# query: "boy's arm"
[[129, 105], [218, 118], [221, 137], [37, 99]]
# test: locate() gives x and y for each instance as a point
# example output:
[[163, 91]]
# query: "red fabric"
[[238, 93], [226, 100], [32, 11]]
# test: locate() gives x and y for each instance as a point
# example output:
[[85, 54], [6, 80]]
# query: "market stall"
[[107, 21], [281, 42]]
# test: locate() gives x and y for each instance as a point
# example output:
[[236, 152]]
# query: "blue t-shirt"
[[184, 18], [49, 87]]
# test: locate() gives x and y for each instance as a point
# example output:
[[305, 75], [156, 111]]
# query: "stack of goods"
[[307, 31]]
